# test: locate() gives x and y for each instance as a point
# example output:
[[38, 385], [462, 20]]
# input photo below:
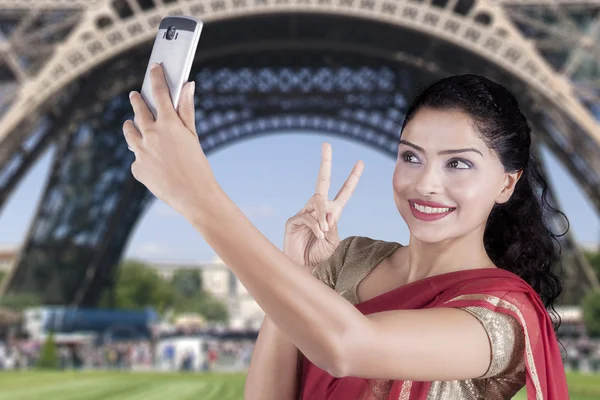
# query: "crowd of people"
[[216, 355], [580, 352]]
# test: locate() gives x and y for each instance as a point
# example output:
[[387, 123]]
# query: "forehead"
[[442, 130]]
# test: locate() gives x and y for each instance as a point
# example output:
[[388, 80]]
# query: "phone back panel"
[[176, 56]]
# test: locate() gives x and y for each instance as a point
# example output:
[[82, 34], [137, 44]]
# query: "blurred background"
[[100, 280]]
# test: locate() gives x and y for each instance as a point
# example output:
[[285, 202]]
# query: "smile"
[[427, 213]]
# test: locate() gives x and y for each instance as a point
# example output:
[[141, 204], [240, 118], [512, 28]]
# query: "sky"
[[270, 178]]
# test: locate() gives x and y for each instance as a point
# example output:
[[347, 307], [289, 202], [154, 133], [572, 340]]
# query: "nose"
[[428, 181]]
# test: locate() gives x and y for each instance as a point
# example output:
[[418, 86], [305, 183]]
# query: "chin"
[[428, 235], [425, 232]]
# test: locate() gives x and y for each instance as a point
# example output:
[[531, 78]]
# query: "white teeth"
[[430, 210]]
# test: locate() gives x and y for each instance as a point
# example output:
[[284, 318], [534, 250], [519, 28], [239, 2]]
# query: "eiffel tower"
[[341, 67]]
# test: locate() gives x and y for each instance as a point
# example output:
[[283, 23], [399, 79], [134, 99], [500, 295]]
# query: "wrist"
[[202, 203]]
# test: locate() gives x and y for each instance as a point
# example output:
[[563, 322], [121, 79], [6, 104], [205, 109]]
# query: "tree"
[[212, 309], [591, 313], [49, 356], [187, 282], [593, 258], [204, 303], [138, 287], [20, 301], [190, 298]]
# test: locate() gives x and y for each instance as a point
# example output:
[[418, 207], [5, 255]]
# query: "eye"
[[459, 164], [410, 157]]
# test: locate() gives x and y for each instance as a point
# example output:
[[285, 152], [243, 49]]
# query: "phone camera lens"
[[171, 32]]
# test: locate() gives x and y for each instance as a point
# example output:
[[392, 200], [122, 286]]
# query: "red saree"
[[494, 289]]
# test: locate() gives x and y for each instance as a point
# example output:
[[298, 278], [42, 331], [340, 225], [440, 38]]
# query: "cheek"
[[463, 186], [403, 178], [473, 192]]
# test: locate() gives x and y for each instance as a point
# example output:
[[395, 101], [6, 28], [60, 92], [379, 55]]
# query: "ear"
[[509, 184]]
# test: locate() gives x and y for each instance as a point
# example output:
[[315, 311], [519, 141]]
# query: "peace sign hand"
[[311, 235]]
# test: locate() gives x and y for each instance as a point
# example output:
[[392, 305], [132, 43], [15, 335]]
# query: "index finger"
[[346, 191], [324, 179], [160, 90], [142, 115]]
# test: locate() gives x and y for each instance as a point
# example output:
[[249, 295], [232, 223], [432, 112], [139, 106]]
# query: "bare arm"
[[275, 368], [435, 344]]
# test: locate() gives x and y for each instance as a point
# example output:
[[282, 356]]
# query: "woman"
[[457, 313]]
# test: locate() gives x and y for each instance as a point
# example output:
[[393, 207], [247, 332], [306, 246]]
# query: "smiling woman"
[[458, 312], [463, 164]]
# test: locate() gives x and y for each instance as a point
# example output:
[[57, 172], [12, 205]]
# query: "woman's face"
[[446, 179]]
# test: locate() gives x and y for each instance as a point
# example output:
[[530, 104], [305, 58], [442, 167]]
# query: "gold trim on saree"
[[405, 391], [497, 302]]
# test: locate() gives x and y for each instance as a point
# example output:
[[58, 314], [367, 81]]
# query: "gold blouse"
[[352, 261]]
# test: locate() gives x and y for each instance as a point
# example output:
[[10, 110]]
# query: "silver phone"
[[174, 48]]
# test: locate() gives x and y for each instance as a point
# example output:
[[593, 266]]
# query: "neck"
[[455, 254]]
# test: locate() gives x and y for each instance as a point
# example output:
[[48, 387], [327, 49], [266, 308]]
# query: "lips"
[[426, 210]]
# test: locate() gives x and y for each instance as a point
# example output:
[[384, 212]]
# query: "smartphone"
[[174, 48]]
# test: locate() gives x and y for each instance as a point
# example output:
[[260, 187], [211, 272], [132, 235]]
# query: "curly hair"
[[517, 236]]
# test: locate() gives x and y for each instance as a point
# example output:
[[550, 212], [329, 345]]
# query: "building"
[[8, 254], [166, 269], [222, 283]]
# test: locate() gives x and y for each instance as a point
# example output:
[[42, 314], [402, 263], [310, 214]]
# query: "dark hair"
[[517, 235]]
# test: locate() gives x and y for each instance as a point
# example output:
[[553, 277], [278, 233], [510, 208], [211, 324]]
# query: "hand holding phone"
[[174, 48]]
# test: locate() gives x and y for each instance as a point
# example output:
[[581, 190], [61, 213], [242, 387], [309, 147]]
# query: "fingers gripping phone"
[[174, 48]]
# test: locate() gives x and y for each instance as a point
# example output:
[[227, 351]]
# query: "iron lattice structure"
[[342, 67]]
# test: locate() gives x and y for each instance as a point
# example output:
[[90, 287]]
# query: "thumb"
[[186, 109]]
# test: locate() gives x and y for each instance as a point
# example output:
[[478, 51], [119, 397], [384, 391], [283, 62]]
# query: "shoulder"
[[363, 243], [352, 251], [363, 250], [360, 249], [361, 246]]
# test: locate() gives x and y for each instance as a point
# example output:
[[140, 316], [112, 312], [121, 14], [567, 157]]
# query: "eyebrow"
[[442, 152]]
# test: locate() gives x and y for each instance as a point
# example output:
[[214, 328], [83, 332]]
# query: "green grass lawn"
[[581, 387], [159, 386]]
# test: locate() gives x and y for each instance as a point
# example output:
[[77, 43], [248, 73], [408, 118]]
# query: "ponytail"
[[518, 237]]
